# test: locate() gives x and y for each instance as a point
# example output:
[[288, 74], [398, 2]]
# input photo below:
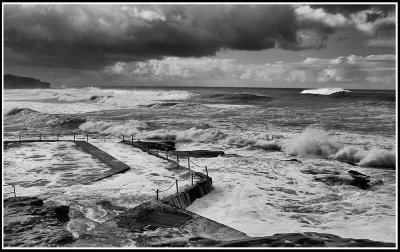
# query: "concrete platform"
[[115, 165]]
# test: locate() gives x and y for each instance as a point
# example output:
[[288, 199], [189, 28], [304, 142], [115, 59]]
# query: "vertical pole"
[[57, 136], [188, 163], [74, 137], [19, 137], [176, 182], [207, 172], [123, 138], [157, 193], [192, 178], [177, 161]]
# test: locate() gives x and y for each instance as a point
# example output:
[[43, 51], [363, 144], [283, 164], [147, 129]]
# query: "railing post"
[[123, 138], [176, 182], [192, 178], [74, 137], [207, 172], [157, 193], [188, 163], [177, 161], [40, 136], [57, 135]]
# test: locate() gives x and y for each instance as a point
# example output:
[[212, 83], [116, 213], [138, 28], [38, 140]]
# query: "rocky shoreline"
[[28, 222]]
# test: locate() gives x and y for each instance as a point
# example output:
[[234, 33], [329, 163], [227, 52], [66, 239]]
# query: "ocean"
[[288, 153]]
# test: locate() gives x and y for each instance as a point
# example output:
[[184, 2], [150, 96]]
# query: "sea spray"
[[313, 142], [379, 158], [349, 154]]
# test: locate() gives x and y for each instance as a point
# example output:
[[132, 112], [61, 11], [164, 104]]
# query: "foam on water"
[[263, 196], [52, 171], [80, 100], [255, 190]]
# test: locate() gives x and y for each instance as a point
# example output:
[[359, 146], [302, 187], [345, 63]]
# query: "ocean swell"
[[236, 98]]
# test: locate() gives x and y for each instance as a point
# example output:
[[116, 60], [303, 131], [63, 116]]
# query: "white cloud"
[[148, 15], [352, 68], [305, 12]]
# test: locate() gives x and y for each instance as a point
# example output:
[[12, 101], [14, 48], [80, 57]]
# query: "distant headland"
[[14, 81]]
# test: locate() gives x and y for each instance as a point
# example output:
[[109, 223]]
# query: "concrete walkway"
[[115, 165]]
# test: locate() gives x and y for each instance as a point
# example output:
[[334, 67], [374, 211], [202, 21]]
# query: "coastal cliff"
[[14, 82]]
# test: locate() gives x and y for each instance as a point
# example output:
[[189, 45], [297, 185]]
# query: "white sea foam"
[[127, 128], [313, 142], [325, 91], [80, 100]]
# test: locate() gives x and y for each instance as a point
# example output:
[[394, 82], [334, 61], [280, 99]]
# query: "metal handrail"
[[15, 195]]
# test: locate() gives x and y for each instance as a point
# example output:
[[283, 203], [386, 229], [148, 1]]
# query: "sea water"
[[257, 189]]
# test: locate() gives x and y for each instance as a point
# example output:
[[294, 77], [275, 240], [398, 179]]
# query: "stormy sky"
[[238, 45]]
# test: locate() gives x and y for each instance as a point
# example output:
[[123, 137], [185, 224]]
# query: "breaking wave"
[[39, 119], [127, 128], [317, 143], [326, 91]]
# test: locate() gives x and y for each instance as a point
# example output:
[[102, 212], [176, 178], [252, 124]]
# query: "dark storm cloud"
[[348, 9], [92, 36]]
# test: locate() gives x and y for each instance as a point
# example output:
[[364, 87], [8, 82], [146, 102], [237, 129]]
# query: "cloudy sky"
[[238, 45]]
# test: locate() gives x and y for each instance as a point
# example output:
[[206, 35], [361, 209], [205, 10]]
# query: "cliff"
[[13, 81]]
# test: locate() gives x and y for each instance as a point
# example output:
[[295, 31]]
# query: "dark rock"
[[22, 201], [163, 146], [14, 82], [62, 213], [171, 244], [30, 223], [198, 153], [307, 239], [357, 179], [292, 160]]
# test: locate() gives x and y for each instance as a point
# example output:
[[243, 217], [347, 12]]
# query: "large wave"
[[37, 119], [317, 143], [127, 128], [325, 91], [140, 130]]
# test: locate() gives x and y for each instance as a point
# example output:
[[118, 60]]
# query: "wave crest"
[[325, 91], [128, 128]]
